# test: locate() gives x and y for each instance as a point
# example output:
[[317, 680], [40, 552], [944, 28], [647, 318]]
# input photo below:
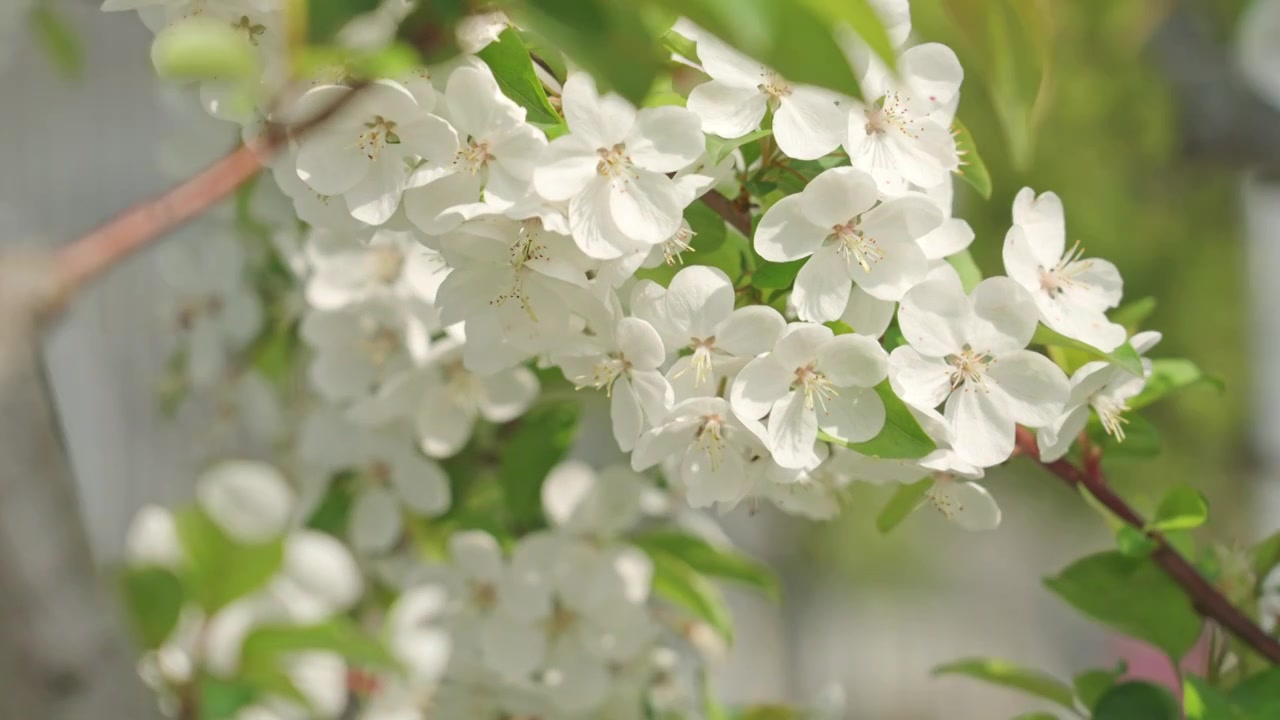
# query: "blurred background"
[[1135, 129]]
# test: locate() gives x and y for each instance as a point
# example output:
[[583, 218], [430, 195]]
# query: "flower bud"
[[249, 500]]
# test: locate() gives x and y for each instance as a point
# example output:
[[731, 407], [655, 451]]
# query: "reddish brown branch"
[[724, 206], [131, 230], [1208, 601]]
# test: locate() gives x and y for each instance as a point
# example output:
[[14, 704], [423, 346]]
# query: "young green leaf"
[[902, 437], [153, 597], [972, 168], [513, 69], [970, 273], [1011, 675], [1091, 685], [678, 583], [610, 40], [709, 229], [1169, 375], [1265, 555], [719, 148], [1202, 701], [903, 503], [1133, 700], [1124, 357], [1134, 543], [1132, 314], [1183, 508], [1133, 596], [60, 41], [540, 441], [1141, 439], [708, 559], [223, 570]]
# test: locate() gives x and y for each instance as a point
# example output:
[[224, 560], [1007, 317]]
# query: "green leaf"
[[334, 511], [201, 48], [326, 17], [970, 274], [60, 40], [678, 583], [972, 168], [264, 646], [1124, 357], [608, 39], [1134, 700], [708, 559], [719, 148], [1091, 685], [1183, 508], [1169, 375], [1134, 543], [902, 438], [859, 15], [1010, 675], [1133, 596], [1259, 696], [904, 502], [1132, 314], [222, 699], [223, 570], [513, 68], [1202, 701], [709, 229], [539, 441], [776, 276], [1141, 439], [153, 598], [1265, 555]]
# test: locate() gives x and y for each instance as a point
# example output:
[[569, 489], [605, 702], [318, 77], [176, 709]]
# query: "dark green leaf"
[[708, 559], [1133, 542], [1202, 701], [970, 274], [265, 646], [1168, 375], [326, 17], [539, 441], [1132, 314], [223, 570], [1134, 700], [902, 437], [718, 148], [1010, 675], [678, 583], [153, 598], [610, 40], [972, 168], [1091, 685], [513, 68], [60, 41], [1124, 357], [334, 511], [1183, 508], [904, 502], [709, 230], [776, 276], [1133, 596]]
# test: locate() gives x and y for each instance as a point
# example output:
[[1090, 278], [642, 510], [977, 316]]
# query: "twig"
[[104, 246], [724, 206], [1208, 601]]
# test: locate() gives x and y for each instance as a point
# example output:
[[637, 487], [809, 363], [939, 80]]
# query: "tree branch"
[[104, 246], [1208, 601], [741, 221]]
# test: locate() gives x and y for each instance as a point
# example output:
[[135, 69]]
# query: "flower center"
[[709, 438], [944, 503], [1054, 281], [388, 262], [773, 84], [969, 368], [1111, 414], [474, 157], [605, 372], [677, 244], [380, 344], [377, 134], [614, 162], [527, 247], [888, 114], [815, 385], [700, 361], [378, 472], [561, 621], [854, 246], [251, 29]]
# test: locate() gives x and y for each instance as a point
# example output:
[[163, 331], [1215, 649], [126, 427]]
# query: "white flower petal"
[[822, 286], [727, 110], [809, 123], [793, 428], [603, 121], [665, 139], [785, 233], [853, 360], [1030, 387]]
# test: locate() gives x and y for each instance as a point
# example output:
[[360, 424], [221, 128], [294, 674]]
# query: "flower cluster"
[[458, 258]]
